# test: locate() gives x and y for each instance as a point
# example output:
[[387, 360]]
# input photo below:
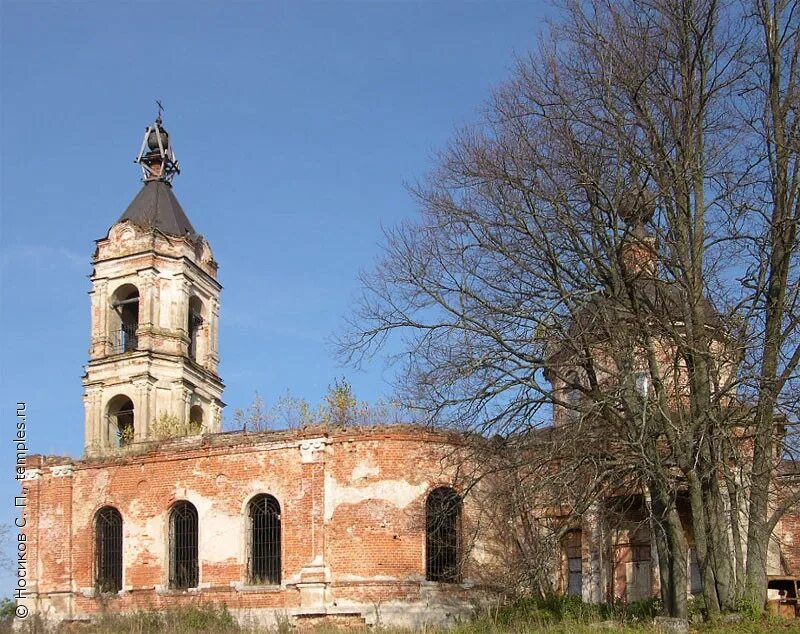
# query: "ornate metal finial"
[[156, 157]]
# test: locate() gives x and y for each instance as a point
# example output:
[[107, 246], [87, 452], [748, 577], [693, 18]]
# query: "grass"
[[186, 620], [552, 615]]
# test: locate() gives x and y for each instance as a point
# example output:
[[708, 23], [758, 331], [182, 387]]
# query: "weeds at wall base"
[[549, 615]]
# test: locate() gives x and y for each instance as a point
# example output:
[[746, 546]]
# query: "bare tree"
[[773, 115], [615, 246]]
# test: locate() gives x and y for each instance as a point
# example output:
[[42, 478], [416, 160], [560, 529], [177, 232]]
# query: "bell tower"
[[152, 370]]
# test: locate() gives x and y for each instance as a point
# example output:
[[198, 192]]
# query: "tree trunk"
[[671, 547], [701, 546]]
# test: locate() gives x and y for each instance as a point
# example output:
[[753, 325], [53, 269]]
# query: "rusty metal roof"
[[156, 206]]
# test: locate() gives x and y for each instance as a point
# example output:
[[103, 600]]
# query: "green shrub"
[[749, 610], [169, 426], [549, 609], [635, 611], [553, 611], [697, 606], [524, 610], [7, 607]]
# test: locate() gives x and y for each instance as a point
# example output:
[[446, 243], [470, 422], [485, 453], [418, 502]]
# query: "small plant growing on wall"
[[170, 426], [125, 435], [340, 408]]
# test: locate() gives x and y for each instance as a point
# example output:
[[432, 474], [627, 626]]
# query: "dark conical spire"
[[156, 206]]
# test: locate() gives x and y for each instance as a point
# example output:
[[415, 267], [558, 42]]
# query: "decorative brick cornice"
[[62, 471], [32, 474], [310, 449], [149, 276]]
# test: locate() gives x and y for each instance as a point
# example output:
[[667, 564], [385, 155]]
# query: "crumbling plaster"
[[352, 526]]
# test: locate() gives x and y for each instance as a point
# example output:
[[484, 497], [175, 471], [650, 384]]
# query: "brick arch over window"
[[183, 540], [264, 540], [443, 535], [108, 550]]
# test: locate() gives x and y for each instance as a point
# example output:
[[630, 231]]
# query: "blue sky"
[[297, 126]]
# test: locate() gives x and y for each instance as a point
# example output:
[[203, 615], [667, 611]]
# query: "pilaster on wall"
[[29, 518], [147, 283], [92, 402], [54, 571], [212, 360], [215, 424], [183, 313], [595, 579], [143, 406], [655, 574], [100, 344], [315, 576], [184, 403]]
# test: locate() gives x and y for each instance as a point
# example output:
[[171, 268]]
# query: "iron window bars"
[[442, 535], [125, 339], [108, 555], [183, 564], [264, 565]]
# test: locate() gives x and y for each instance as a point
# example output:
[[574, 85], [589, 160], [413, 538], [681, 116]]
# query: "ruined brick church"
[[361, 525], [299, 525]]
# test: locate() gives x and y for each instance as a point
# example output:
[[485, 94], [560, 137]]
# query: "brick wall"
[[353, 526], [352, 518]]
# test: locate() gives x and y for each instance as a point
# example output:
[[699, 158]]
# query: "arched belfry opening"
[[193, 327], [196, 416], [121, 420], [125, 319]]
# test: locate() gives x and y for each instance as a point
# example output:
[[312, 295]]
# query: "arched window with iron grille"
[[183, 562], [264, 560], [443, 535], [108, 550]]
